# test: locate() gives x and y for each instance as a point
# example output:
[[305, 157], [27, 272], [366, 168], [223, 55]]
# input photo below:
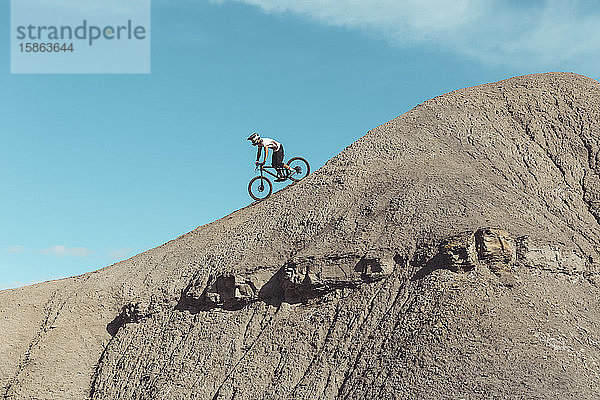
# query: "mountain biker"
[[277, 160]]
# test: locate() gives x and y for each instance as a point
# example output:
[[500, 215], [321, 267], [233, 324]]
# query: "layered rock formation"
[[449, 253]]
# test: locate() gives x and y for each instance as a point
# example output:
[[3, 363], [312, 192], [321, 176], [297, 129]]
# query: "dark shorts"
[[277, 161]]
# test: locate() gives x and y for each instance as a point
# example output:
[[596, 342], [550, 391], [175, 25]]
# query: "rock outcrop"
[[449, 253]]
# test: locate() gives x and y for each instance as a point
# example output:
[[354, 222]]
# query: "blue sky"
[[97, 168]]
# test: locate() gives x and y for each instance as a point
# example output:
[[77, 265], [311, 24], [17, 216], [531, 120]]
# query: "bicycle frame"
[[265, 168]]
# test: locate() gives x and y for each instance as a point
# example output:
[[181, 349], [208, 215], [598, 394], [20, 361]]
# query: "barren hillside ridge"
[[451, 253]]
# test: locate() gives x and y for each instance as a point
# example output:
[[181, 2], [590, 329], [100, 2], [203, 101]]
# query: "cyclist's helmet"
[[254, 138]]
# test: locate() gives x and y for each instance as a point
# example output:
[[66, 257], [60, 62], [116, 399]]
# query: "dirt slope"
[[449, 253]]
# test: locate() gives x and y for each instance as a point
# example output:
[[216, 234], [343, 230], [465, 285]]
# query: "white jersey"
[[271, 144]]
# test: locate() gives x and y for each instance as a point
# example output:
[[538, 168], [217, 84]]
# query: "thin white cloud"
[[15, 249], [538, 34], [62, 251]]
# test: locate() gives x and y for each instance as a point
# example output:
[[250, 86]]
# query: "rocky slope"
[[449, 253]]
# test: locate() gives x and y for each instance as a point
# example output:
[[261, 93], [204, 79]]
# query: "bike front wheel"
[[300, 168], [260, 188]]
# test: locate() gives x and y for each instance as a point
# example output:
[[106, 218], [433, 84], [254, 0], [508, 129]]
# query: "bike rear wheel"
[[260, 188], [300, 168]]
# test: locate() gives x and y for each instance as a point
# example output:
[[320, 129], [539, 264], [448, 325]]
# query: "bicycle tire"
[[268, 186], [306, 166]]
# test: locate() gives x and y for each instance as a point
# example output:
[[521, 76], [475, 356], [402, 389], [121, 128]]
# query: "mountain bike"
[[260, 187]]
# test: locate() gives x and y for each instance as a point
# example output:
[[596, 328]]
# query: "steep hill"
[[450, 253]]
